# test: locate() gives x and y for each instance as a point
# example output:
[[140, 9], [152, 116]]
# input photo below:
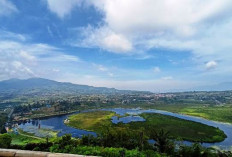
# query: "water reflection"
[[55, 123]]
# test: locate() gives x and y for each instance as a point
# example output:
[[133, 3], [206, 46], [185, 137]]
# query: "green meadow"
[[216, 113]]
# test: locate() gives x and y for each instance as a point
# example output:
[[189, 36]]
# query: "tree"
[[196, 150], [162, 142], [67, 140], [3, 130], [5, 141]]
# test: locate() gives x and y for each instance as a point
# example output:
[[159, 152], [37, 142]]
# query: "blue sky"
[[155, 45]]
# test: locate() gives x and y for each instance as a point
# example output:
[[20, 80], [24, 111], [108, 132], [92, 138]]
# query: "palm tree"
[[162, 142]]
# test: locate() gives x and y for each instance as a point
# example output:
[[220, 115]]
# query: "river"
[[57, 123]]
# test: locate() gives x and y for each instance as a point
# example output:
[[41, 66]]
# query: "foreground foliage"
[[89, 145], [5, 140]]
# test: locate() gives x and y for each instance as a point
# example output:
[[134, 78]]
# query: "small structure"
[[66, 121]]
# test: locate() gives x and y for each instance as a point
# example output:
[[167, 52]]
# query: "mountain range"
[[41, 85]]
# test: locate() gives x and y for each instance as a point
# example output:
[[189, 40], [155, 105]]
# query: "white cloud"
[[56, 70], [167, 78], [22, 68], [116, 43], [159, 16], [27, 56], [200, 27], [156, 69], [100, 67], [62, 7], [132, 26], [211, 65], [105, 39], [14, 68], [103, 69], [63, 57], [23, 60], [6, 7], [6, 35]]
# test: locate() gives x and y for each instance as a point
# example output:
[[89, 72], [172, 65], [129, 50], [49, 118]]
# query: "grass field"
[[215, 113], [22, 139], [221, 114], [187, 130], [92, 121]]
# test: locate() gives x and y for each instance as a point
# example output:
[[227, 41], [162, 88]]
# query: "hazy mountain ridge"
[[224, 86], [40, 85]]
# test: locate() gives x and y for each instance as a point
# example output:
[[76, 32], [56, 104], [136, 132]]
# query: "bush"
[[16, 147], [196, 150], [3, 130], [151, 153], [101, 151], [38, 146], [117, 139], [5, 141]]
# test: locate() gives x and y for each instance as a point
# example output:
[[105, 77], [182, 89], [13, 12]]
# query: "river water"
[[57, 123]]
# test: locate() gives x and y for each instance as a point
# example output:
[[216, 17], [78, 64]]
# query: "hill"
[[41, 86]]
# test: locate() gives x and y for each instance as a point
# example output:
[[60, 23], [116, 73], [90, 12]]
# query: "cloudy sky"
[[156, 45]]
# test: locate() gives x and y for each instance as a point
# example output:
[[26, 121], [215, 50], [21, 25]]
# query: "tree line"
[[118, 144]]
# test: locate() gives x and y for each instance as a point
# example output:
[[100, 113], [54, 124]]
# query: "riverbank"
[[45, 116]]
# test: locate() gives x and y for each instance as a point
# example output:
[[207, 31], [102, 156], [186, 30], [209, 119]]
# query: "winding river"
[[56, 123]]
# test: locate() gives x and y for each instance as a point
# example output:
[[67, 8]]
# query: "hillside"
[[41, 86]]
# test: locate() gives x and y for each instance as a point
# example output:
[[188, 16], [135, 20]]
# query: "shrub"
[[5, 141], [38, 146]]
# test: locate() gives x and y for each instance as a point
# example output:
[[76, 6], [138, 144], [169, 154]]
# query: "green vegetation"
[[216, 113], [3, 119], [119, 139], [163, 143], [92, 121], [100, 121], [221, 113], [91, 146], [179, 128], [5, 140], [23, 139], [107, 151], [96, 146], [42, 132]]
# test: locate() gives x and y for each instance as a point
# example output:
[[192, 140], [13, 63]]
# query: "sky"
[[152, 45]]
